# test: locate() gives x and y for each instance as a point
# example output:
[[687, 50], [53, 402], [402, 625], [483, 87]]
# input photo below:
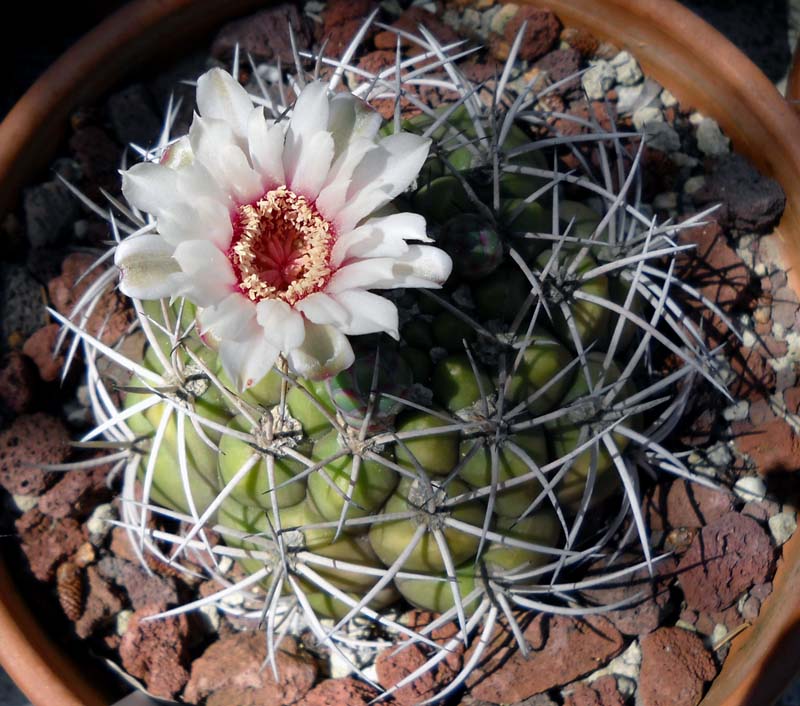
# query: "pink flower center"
[[281, 247]]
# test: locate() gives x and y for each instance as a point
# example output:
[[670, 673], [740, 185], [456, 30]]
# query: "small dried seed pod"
[[69, 586]]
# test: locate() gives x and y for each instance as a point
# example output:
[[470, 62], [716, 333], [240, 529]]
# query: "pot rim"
[[696, 63]]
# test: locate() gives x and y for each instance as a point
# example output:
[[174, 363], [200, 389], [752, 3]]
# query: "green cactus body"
[[501, 294], [455, 385], [436, 453], [477, 469], [390, 538], [314, 422], [435, 593], [254, 489], [541, 527], [373, 485]]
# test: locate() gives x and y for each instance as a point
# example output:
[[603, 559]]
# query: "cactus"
[[452, 468]]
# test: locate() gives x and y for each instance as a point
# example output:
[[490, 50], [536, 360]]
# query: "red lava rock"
[[560, 64], [264, 34], [761, 591], [156, 651], [99, 157], [77, 493], [409, 22], [18, 384], [713, 266], [772, 446], [583, 41], [675, 666], [645, 614], [601, 692], [111, 316], [101, 606], [562, 649], [32, 440], [726, 558], [337, 692], [479, 69], [418, 619], [693, 505], [231, 673], [542, 31], [121, 546], [395, 663], [47, 541], [750, 201], [40, 348], [145, 589]]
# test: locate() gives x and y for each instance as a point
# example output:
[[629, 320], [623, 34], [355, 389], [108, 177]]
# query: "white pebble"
[[750, 488], [625, 665], [598, 80], [25, 502], [668, 99], [646, 116], [693, 184], [502, 18], [210, 617], [234, 600], [710, 140], [667, 201], [696, 118], [684, 160], [749, 339], [783, 526], [99, 524], [719, 633], [628, 99], [626, 69], [736, 412], [225, 565], [471, 20], [122, 621]]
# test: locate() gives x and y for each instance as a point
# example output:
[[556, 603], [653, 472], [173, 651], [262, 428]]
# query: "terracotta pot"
[[698, 65]]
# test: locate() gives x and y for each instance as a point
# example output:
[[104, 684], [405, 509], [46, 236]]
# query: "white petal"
[[146, 265], [203, 219], [369, 313], [195, 181], [221, 96], [207, 277], [246, 362], [362, 274], [234, 318], [383, 174], [150, 187], [322, 309], [380, 237], [333, 195], [351, 118], [309, 118], [313, 164], [422, 266], [216, 147], [179, 154], [266, 147], [283, 326], [325, 352]]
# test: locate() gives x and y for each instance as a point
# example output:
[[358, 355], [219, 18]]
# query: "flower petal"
[[246, 362], [325, 352], [369, 313], [221, 96], [146, 265], [383, 174], [363, 274], [422, 266], [234, 318], [266, 147], [309, 118], [202, 219], [283, 326], [313, 165], [322, 309], [333, 195], [380, 237], [216, 147], [207, 276], [150, 187], [351, 118]]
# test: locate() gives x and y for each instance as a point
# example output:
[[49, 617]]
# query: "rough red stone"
[[675, 667], [156, 651], [264, 35], [40, 348], [102, 604], [111, 316], [725, 559], [418, 619], [601, 692], [47, 541], [77, 493], [559, 65], [31, 441], [540, 35], [644, 615], [692, 505], [750, 202], [772, 446], [145, 589], [713, 266], [409, 22], [18, 384], [395, 663], [562, 649], [337, 692], [231, 672], [121, 546], [581, 40]]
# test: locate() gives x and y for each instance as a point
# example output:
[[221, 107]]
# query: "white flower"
[[271, 228]]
